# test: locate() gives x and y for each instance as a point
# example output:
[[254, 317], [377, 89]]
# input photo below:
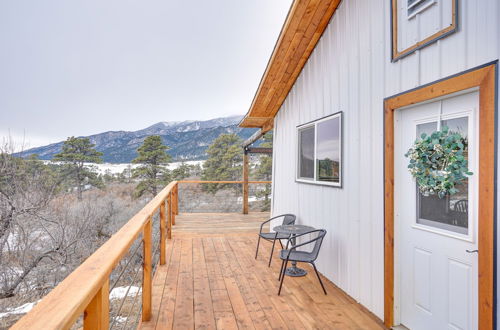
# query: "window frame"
[[314, 123]]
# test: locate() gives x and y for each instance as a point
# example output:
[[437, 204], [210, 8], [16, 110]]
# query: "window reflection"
[[328, 150], [306, 163], [450, 212]]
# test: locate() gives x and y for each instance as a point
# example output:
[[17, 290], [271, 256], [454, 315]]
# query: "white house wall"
[[350, 70]]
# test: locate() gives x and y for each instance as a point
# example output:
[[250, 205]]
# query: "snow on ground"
[[251, 199], [120, 319], [23, 309], [119, 168], [116, 293], [121, 291]]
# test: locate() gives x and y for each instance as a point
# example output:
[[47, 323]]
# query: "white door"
[[435, 238]]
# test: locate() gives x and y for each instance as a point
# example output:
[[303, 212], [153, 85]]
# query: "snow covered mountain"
[[188, 140]]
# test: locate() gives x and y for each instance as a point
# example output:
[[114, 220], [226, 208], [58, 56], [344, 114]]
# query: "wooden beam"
[[245, 183], [96, 315], [259, 150], [169, 216], [163, 233], [255, 136], [176, 199], [215, 181], [147, 269]]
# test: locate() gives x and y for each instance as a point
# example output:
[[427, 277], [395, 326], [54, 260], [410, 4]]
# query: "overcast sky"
[[82, 67]]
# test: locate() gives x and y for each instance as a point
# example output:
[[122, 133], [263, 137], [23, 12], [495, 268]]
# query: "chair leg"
[[282, 277], [272, 251], [281, 269], [319, 278], [257, 251], [281, 244]]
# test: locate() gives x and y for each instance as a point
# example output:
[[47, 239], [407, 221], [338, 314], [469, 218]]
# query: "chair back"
[[462, 206], [317, 243], [288, 219]]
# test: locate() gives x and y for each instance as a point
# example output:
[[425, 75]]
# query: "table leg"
[[295, 271]]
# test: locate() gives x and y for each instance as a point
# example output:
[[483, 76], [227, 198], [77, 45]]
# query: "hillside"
[[188, 140]]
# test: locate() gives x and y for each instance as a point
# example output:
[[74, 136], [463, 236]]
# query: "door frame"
[[483, 77]]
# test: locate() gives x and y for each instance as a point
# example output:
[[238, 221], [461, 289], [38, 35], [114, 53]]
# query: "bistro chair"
[[462, 206], [288, 219], [291, 254]]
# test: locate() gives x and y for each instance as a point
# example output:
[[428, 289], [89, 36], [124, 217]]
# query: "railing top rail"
[[67, 301], [209, 181]]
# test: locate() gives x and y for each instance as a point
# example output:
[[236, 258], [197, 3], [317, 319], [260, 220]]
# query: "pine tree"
[[182, 172], [224, 163], [75, 153], [152, 173]]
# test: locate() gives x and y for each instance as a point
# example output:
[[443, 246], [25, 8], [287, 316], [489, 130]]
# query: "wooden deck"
[[218, 223], [212, 281]]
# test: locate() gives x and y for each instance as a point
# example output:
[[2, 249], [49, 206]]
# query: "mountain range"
[[187, 140]]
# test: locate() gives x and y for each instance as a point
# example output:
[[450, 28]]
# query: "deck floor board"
[[212, 281]]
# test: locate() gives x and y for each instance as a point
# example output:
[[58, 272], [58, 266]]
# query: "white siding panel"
[[350, 70]]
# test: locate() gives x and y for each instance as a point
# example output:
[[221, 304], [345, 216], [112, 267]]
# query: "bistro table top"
[[293, 229]]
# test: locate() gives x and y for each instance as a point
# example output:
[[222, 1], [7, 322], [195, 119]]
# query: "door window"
[[450, 212]]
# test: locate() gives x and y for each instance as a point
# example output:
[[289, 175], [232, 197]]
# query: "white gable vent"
[[417, 6]]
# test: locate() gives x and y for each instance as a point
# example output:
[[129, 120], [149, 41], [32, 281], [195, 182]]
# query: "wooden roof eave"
[[304, 25]]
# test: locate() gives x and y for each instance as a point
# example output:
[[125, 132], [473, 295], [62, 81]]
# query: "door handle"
[[472, 251]]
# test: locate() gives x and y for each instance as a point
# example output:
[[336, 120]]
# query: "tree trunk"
[[9, 291], [79, 184]]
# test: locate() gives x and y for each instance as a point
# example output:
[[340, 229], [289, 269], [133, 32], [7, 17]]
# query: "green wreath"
[[438, 162]]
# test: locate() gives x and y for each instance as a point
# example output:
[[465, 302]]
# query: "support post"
[[147, 280], [169, 216], [176, 199], [163, 233], [172, 205], [245, 181], [96, 315]]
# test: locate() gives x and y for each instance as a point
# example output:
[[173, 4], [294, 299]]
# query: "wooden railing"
[[86, 290]]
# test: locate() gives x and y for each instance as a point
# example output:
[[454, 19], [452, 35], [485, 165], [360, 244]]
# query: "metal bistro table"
[[293, 230]]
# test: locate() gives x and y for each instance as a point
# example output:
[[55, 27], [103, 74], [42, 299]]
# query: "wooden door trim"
[[485, 78]]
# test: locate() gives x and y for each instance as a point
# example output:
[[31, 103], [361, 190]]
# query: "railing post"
[[147, 244], [96, 315], [245, 182], [163, 233], [173, 205], [169, 216], [176, 201]]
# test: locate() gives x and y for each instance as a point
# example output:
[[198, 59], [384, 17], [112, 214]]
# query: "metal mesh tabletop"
[[293, 229]]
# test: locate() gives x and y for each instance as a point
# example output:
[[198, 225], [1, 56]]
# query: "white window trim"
[[314, 124]]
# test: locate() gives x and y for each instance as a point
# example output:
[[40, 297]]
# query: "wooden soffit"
[[304, 25]]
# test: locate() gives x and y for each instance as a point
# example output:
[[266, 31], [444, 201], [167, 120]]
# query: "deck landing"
[[213, 282]]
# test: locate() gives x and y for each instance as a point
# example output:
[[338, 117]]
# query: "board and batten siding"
[[351, 71]]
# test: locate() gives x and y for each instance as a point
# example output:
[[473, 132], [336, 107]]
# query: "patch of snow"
[[251, 199], [120, 319], [110, 168], [121, 291], [23, 309], [170, 123]]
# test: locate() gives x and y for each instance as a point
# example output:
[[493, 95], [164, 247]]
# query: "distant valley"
[[188, 140]]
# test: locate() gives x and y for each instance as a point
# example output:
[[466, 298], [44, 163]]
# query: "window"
[[450, 213], [320, 151]]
